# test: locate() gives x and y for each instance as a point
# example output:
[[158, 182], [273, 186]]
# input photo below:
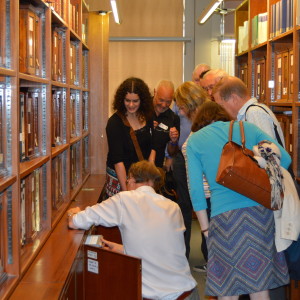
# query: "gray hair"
[[165, 83], [216, 73]]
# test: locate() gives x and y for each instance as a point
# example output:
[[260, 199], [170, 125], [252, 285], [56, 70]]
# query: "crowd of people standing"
[[150, 133]]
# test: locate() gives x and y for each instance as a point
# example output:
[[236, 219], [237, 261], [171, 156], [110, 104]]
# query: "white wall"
[[206, 35]]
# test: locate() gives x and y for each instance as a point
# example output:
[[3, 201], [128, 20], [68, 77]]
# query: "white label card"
[[92, 254], [93, 266], [163, 126]]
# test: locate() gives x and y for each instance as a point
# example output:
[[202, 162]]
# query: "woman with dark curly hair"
[[133, 109]]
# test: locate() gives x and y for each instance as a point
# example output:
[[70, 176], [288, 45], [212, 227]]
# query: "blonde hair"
[[191, 96]]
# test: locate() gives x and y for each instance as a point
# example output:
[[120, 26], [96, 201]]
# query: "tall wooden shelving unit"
[[275, 81], [45, 122]]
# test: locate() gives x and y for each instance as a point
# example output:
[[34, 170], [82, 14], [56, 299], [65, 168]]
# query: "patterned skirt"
[[112, 183], [242, 257]]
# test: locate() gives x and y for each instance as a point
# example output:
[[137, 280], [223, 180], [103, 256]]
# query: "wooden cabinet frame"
[[281, 53], [36, 141]]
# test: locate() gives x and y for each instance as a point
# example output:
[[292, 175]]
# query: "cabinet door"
[[278, 76], [27, 41], [243, 73], [60, 58], [2, 238], [291, 75], [260, 79], [2, 32], [22, 126], [2, 126], [55, 55], [38, 46], [285, 75], [285, 122]]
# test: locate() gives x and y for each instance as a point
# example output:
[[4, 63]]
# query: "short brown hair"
[[209, 112], [144, 171]]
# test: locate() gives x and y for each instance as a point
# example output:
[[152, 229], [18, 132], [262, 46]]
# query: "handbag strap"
[[278, 138], [133, 137], [241, 132]]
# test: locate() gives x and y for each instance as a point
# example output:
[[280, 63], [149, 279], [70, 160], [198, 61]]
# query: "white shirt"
[[205, 183], [265, 121], [152, 229], [287, 219]]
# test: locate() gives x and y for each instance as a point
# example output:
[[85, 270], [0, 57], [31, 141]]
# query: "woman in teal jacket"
[[242, 258]]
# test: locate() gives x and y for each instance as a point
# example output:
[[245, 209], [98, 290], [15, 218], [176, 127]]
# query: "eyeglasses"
[[209, 88], [130, 179]]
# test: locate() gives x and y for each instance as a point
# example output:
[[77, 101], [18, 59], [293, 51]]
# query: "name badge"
[[163, 126]]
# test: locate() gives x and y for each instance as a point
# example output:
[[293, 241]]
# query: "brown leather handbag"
[[239, 171]]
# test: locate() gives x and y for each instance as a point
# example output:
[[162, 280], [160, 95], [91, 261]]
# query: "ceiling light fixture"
[[209, 10], [114, 8]]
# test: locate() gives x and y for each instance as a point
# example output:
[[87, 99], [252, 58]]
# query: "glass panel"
[[5, 126], [33, 205], [5, 39]]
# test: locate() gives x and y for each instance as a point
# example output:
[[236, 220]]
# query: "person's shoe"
[[200, 269]]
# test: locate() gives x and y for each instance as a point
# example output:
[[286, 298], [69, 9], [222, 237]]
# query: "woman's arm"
[[152, 156], [203, 221], [121, 174]]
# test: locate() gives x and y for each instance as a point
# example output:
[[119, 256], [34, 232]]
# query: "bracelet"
[[173, 143], [205, 230]]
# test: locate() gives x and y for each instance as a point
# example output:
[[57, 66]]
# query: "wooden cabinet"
[[272, 67], [45, 122], [271, 64]]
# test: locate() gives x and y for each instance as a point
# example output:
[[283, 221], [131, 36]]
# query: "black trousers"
[[184, 201]]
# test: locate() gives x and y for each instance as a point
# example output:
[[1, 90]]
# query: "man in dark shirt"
[[166, 123]]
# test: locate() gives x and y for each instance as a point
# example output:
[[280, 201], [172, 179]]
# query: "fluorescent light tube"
[[208, 11], [114, 8]]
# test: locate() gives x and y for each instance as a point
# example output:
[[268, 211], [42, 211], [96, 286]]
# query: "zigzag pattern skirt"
[[112, 183], [242, 257]]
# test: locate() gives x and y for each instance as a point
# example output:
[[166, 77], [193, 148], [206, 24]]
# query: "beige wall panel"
[[149, 18], [98, 44], [150, 61]]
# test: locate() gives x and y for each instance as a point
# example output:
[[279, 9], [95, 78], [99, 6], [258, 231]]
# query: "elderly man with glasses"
[[210, 79], [152, 229]]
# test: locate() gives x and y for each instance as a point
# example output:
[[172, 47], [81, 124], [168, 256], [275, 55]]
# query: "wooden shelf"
[[7, 181], [40, 189], [28, 167]]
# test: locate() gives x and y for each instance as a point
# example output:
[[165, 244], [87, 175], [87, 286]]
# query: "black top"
[[165, 120], [120, 145]]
